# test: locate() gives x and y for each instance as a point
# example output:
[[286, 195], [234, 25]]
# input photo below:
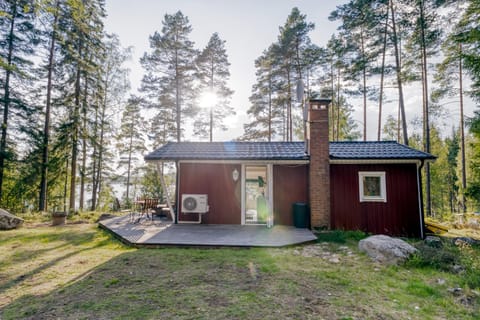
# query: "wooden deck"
[[165, 233]]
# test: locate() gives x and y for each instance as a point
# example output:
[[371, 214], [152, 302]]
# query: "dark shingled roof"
[[347, 150], [229, 151], [375, 150]]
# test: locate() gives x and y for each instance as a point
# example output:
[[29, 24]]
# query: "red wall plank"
[[290, 185], [398, 216], [224, 194]]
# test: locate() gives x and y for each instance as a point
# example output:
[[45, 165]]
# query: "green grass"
[[80, 272]]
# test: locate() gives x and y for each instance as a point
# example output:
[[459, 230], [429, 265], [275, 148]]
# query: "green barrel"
[[300, 215]]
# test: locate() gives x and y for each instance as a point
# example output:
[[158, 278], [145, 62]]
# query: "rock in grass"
[[386, 250], [434, 242], [464, 241], [9, 221]]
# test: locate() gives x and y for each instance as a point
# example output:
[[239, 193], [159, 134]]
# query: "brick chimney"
[[319, 173]]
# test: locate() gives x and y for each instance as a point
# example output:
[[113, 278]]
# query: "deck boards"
[[159, 232]]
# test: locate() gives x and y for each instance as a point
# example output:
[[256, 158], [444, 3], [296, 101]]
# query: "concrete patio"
[[164, 233]]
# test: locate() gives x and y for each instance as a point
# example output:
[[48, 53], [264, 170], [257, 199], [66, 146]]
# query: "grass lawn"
[[80, 272]]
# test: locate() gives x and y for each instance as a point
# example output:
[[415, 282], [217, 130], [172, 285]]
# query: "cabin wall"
[[224, 194], [398, 216], [290, 185]]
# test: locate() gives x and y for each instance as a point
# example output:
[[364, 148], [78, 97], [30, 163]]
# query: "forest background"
[[74, 131]]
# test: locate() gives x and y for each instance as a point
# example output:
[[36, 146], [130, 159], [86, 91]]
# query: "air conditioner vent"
[[195, 203]]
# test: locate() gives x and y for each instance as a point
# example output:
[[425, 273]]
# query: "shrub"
[[437, 258], [339, 236]]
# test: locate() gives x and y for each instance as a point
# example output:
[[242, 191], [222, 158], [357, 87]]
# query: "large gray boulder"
[[9, 221], [386, 250]]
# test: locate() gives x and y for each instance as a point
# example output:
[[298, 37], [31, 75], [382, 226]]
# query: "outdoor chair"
[[150, 207], [144, 207]]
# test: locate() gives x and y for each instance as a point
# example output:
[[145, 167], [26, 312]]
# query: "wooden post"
[[164, 186]]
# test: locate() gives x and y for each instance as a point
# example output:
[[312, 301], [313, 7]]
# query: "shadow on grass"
[[174, 283], [66, 233], [235, 284], [80, 240]]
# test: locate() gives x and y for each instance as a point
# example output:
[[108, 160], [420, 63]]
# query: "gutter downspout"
[[420, 198]]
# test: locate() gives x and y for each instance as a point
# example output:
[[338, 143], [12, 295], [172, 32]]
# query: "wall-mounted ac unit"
[[195, 203]]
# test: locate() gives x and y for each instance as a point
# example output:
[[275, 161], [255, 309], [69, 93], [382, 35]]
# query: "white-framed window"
[[372, 186]]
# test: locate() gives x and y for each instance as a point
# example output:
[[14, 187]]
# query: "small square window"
[[372, 186]]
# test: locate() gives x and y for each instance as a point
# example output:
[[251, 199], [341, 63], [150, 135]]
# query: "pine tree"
[[332, 80], [213, 74], [382, 43], [51, 11], [266, 112], [390, 129], [286, 62], [422, 44], [111, 86], [81, 28], [167, 85], [347, 128], [293, 41], [360, 27], [439, 175], [130, 140], [449, 79], [395, 38], [17, 39], [467, 38], [468, 35], [473, 183], [453, 149]]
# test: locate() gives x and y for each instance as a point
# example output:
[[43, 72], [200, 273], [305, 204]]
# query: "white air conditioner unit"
[[195, 203]]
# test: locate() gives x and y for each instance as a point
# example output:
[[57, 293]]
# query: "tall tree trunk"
[[332, 84], [177, 98], [463, 206], [6, 99], [364, 89], [426, 120], [337, 127], [289, 106], [101, 151], [211, 107], [382, 78], [299, 63], [65, 187], [284, 122], [269, 107], [42, 201], [100, 125], [84, 146], [300, 76], [76, 116], [399, 121], [129, 165], [399, 76], [94, 160]]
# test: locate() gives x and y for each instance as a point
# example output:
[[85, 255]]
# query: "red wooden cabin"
[[372, 186]]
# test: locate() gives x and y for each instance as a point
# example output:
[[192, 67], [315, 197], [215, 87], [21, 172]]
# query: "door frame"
[[269, 191]]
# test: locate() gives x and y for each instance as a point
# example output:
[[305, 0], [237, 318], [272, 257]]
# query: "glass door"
[[256, 194]]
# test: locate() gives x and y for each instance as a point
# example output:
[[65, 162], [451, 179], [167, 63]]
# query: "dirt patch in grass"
[[78, 272]]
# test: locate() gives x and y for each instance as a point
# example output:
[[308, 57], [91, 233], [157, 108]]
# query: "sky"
[[249, 27]]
